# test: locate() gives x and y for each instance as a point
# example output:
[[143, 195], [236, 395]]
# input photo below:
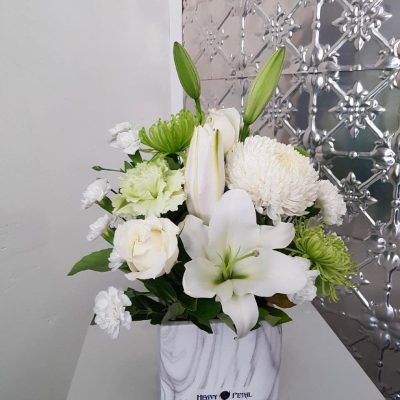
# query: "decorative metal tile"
[[338, 97]]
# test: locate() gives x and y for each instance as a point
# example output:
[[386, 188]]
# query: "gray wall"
[[69, 70]]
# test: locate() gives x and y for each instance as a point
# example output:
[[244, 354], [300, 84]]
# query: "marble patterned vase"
[[196, 365]]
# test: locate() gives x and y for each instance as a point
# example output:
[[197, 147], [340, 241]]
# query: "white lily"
[[235, 259], [204, 172]]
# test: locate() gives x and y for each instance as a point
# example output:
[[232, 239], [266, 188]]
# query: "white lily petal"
[[225, 290], [277, 237], [233, 223], [194, 237], [204, 172], [270, 273], [243, 311], [200, 277]]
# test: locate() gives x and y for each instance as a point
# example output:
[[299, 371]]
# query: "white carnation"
[[281, 182], [331, 203], [125, 138], [110, 311], [96, 191], [308, 292], [115, 260], [99, 226]]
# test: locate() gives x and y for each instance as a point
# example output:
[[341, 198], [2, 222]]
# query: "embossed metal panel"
[[338, 97]]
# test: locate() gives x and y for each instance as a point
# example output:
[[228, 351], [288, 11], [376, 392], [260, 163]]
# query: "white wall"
[[69, 70]]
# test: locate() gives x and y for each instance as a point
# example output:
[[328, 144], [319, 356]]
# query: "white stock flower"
[[110, 311], [204, 172], [235, 259], [227, 121], [331, 203], [125, 137], [281, 182], [96, 191], [99, 226], [149, 247], [309, 291]]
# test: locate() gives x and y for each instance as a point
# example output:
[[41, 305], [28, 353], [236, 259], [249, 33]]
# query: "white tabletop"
[[315, 364]]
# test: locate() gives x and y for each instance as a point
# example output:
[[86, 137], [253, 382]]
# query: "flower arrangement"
[[214, 222]]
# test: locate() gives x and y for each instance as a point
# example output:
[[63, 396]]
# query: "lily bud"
[[204, 172], [263, 87], [187, 72]]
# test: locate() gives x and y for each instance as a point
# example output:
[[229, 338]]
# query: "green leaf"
[[187, 72], [263, 87], [190, 303], [127, 166], [174, 311], [302, 151], [135, 158], [97, 261], [273, 316], [207, 309], [106, 204], [227, 320], [204, 325], [161, 288], [108, 235]]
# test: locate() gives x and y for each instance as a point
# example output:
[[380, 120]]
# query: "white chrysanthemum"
[[125, 138], [331, 203], [110, 311], [96, 191], [281, 182], [99, 226], [308, 292]]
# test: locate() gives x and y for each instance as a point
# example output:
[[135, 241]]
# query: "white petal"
[[270, 273], [233, 223], [200, 277], [194, 237], [115, 260], [243, 311], [204, 172], [277, 237], [225, 290]]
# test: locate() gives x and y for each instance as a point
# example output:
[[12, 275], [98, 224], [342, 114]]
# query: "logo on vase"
[[225, 395]]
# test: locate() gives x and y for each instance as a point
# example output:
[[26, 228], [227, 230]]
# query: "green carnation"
[[149, 188], [170, 137], [328, 254]]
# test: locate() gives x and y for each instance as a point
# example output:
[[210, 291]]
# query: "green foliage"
[[170, 137], [329, 255], [302, 151], [262, 89], [106, 204], [274, 316], [162, 288], [135, 158], [97, 261]]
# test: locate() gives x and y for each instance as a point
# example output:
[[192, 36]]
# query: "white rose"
[[125, 138], [227, 121], [96, 191], [149, 246]]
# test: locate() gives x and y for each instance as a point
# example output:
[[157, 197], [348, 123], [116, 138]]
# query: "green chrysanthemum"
[[170, 137], [149, 188], [327, 253]]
